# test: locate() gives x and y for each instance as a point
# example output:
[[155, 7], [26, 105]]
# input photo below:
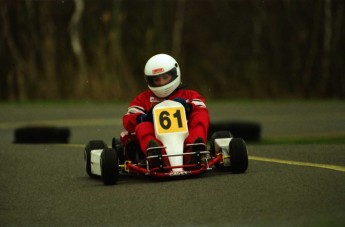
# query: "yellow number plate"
[[170, 120]]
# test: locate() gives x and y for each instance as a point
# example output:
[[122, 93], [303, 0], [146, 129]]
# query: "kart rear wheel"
[[238, 155], [92, 145], [117, 146], [109, 166]]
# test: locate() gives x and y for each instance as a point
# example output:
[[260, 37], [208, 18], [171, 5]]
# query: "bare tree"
[[77, 45], [327, 39], [15, 81], [178, 28]]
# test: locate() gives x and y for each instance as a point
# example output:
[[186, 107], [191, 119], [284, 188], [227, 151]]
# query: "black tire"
[[249, 131], [238, 155], [109, 166], [117, 146], [41, 134], [133, 152], [92, 145]]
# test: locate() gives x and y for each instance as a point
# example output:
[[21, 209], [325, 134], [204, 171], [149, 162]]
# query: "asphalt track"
[[288, 184]]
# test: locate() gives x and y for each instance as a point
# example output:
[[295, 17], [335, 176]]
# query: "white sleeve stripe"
[[198, 102], [135, 109]]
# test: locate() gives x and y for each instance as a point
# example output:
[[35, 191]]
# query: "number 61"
[[165, 119]]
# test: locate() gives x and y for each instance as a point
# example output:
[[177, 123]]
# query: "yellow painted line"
[[71, 145], [309, 135], [296, 163]]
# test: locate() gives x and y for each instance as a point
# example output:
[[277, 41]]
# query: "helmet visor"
[[162, 79]]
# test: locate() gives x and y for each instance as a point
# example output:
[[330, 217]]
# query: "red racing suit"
[[198, 119]]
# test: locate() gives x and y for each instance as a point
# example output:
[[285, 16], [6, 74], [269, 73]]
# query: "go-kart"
[[169, 118]]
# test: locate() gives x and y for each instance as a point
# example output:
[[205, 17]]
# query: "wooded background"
[[227, 49]]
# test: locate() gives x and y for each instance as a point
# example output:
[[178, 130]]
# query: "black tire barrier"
[[249, 131], [41, 135]]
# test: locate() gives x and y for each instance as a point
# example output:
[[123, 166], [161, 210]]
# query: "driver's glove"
[[145, 117], [187, 106]]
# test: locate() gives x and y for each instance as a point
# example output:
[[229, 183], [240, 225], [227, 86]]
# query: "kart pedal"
[[198, 159], [154, 150], [160, 162], [197, 147]]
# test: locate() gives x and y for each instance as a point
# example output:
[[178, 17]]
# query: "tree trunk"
[[15, 81], [178, 29], [77, 46], [327, 39]]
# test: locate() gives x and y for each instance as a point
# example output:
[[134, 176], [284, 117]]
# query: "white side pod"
[[96, 162], [222, 146]]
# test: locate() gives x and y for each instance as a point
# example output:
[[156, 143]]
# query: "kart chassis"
[[171, 129]]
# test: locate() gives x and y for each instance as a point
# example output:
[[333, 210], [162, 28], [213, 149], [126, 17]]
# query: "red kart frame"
[[162, 171], [165, 171]]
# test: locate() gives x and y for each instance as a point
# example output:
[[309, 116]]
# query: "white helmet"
[[161, 64]]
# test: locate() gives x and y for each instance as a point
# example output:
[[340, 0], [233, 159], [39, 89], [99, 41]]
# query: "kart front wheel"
[[109, 166], [238, 155], [92, 145]]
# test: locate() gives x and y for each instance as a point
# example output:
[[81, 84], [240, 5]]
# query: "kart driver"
[[163, 77]]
